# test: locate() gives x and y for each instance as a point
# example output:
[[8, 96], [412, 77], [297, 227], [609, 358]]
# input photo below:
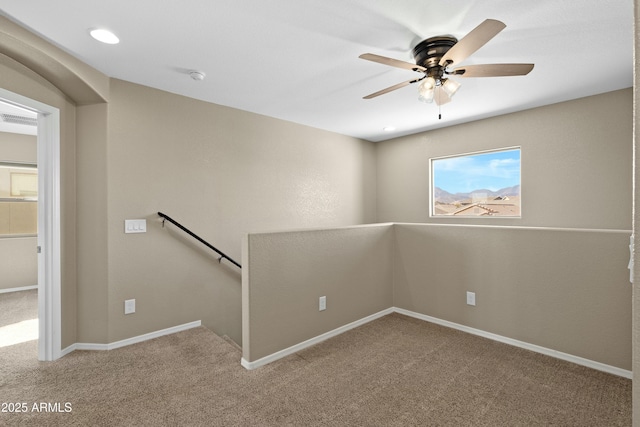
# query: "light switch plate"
[[135, 225]]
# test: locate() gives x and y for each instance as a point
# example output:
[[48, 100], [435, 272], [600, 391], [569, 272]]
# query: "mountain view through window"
[[481, 184]]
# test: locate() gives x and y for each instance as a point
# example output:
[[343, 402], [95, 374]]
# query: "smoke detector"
[[197, 75]]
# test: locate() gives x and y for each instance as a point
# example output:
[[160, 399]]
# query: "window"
[[485, 184], [18, 199]]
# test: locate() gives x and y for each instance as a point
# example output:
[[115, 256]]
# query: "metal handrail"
[[198, 238]]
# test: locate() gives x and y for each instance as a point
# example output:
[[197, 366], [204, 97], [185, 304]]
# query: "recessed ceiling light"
[[389, 128], [104, 36]]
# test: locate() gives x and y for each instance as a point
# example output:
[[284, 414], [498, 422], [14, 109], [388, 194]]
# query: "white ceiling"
[[297, 60]]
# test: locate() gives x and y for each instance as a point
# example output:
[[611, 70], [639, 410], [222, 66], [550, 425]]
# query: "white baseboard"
[[133, 340], [23, 288], [313, 341], [538, 349]]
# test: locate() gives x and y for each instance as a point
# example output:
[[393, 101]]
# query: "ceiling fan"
[[434, 57]]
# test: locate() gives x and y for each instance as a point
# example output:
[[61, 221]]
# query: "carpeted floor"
[[18, 317], [18, 306], [395, 371]]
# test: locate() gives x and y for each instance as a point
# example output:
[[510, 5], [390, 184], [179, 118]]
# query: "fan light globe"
[[450, 87], [426, 90]]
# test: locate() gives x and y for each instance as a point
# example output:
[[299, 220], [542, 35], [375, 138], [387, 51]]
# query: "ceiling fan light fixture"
[[435, 58], [450, 86], [426, 90]]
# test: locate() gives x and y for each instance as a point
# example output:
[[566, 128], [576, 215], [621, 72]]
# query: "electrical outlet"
[[322, 304], [129, 306], [471, 298]]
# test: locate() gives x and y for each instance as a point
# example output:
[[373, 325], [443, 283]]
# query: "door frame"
[[49, 224]]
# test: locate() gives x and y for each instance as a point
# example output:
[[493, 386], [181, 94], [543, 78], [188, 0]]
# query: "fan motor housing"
[[428, 52]]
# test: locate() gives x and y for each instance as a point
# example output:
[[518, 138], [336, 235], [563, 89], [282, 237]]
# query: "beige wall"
[[18, 148], [566, 290], [222, 173], [92, 225], [576, 164], [286, 273]]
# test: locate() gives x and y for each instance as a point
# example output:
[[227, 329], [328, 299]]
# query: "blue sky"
[[463, 174]]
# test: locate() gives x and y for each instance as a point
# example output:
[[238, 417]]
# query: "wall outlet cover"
[[129, 306], [471, 298]]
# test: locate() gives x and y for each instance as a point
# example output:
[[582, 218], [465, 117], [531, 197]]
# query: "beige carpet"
[[395, 371], [18, 317]]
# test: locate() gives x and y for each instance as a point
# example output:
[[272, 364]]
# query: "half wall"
[[560, 290]]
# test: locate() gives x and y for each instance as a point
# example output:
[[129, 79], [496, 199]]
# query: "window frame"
[[432, 201]]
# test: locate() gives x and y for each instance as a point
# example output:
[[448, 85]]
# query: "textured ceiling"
[[297, 60]]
